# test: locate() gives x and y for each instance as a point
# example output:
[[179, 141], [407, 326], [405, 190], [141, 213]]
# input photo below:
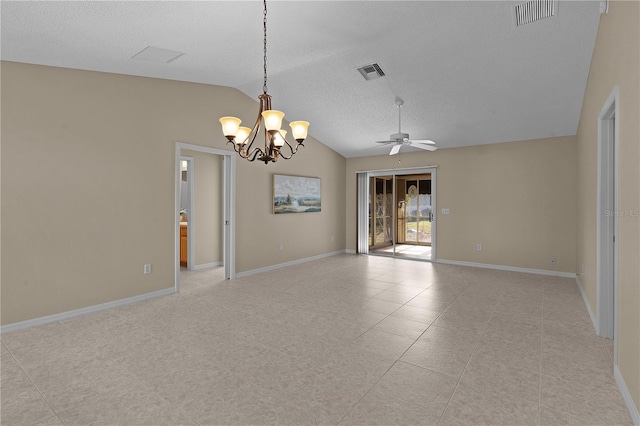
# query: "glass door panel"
[[381, 214], [371, 228], [401, 229], [417, 210], [411, 211], [424, 210]]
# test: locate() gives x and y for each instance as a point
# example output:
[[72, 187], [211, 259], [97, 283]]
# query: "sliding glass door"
[[395, 213]]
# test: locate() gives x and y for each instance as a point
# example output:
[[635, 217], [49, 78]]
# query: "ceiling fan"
[[398, 140]]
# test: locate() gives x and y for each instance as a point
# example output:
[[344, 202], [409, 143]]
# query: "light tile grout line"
[[473, 351], [401, 355], [540, 358], [33, 384], [146, 329]]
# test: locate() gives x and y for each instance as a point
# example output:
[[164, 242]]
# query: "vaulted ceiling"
[[467, 74]]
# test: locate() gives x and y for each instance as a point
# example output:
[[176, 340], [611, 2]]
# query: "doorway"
[[607, 246], [218, 219], [399, 219], [415, 217], [186, 211]]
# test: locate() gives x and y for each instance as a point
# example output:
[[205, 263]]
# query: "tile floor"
[[344, 340], [410, 251]]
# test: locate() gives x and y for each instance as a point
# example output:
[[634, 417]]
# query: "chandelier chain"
[[275, 142], [264, 23]]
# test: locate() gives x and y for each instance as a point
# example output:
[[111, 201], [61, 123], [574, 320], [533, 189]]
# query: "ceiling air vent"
[[371, 72], [157, 54], [534, 10]]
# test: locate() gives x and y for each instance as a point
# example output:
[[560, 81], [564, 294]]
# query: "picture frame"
[[296, 194]]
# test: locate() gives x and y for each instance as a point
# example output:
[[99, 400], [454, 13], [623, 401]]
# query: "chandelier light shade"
[[279, 138], [276, 145]]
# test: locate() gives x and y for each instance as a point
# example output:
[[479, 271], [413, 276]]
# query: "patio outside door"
[[417, 210], [399, 208]]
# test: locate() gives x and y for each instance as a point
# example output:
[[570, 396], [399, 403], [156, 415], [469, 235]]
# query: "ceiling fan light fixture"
[[400, 139], [399, 136]]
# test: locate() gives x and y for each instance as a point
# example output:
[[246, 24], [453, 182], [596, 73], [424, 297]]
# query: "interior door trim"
[[229, 207]]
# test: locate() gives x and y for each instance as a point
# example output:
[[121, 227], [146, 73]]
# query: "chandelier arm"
[[248, 155], [240, 152], [284, 156], [244, 150], [237, 148], [254, 132], [248, 148], [254, 154], [292, 149]]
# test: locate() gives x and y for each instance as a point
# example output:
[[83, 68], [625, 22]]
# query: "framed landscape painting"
[[296, 194]]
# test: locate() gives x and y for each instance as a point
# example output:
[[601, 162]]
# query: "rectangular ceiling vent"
[[534, 10], [157, 54], [371, 72]]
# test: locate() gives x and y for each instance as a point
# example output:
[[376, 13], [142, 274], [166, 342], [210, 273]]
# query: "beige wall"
[[208, 205], [259, 232], [88, 187], [517, 199], [615, 62]]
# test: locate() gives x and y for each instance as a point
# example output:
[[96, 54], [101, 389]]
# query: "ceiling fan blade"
[[395, 149], [425, 146], [425, 141], [385, 142]]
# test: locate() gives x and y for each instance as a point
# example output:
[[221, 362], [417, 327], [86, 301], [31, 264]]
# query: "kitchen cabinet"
[[183, 244]]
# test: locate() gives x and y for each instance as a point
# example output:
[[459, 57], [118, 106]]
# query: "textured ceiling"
[[466, 74]]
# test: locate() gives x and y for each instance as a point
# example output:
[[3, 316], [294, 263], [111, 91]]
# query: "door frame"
[[363, 204], [228, 203], [607, 220]]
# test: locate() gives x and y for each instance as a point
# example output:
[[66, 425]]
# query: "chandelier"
[[275, 142]]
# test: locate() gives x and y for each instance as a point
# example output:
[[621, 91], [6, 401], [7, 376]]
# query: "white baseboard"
[[594, 319], [349, 251], [82, 311], [626, 395], [508, 268], [206, 265], [283, 265]]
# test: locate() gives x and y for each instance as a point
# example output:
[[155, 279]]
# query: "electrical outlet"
[[553, 260], [333, 238], [479, 247], [281, 247], [147, 268], [582, 268]]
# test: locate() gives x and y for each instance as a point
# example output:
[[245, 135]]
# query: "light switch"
[[445, 211]]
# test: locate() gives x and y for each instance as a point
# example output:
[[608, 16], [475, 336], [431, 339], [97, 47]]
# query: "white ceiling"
[[466, 74]]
